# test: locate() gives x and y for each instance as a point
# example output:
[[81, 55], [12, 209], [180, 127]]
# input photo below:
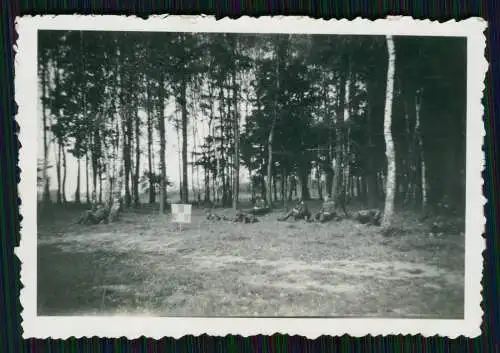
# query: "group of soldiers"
[[301, 211], [328, 212], [240, 217], [101, 213]]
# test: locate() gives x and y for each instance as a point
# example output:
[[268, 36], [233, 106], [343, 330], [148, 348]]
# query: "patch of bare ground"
[[145, 265]]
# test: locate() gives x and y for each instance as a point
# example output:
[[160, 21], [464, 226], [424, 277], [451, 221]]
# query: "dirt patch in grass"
[[145, 265]]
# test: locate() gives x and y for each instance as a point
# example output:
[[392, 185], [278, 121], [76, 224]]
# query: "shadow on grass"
[[145, 265]]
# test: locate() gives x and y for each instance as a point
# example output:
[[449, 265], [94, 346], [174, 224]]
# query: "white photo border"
[[157, 327]]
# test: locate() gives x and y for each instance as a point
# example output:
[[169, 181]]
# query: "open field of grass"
[[145, 265]]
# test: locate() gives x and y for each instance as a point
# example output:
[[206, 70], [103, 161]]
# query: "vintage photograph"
[[251, 175]]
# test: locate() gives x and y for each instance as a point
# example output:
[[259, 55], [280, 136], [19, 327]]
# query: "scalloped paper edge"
[[26, 94]]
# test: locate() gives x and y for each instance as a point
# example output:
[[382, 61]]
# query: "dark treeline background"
[[286, 108]]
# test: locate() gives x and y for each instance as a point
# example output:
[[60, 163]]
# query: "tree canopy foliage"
[[302, 114]]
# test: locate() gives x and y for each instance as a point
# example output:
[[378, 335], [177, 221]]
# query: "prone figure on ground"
[[260, 207], [211, 215], [327, 211], [373, 217], [242, 217], [96, 215], [300, 211]]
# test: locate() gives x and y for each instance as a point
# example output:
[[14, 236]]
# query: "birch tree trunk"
[[185, 188], [329, 169], [389, 144]]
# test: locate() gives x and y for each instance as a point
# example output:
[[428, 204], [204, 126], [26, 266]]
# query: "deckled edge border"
[[134, 327]]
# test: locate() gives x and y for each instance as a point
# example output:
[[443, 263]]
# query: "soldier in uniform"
[[327, 212], [260, 207], [300, 211], [373, 217]]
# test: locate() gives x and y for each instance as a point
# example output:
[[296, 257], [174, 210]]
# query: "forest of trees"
[[377, 118]]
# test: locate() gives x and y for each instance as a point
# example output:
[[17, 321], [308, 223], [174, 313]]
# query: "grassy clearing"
[[145, 265]]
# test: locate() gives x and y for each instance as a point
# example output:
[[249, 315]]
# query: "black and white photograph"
[[201, 172]]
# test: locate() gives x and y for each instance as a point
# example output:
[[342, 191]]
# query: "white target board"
[[181, 213]]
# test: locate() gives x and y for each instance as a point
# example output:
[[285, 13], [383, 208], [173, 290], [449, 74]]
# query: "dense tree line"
[[298, 112]]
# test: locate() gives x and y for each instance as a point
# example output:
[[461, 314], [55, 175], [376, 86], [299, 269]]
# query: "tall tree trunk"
[[137, 160], [161, 128], [193, 156], [252, 184], [328, 167], [360, 195], [271, 132], [212, 150], [58, 173], [130, 147], [114, 189], [263, 188], [269, 195], [343, 96], [185, 189], [291, 186], [389, 144], [179, 156], [347, 170], [152, 191], [283, 187], [304, 191], [275, 190], [109, 163], [126, 149], [214, 185], [319, 186], [206, 175], [221, 167], [46, 187], [125, 102], [87, 194], [64, 176], [345, 136], [100, 186], [409, 162], [236, 163], [371, 188], [423, 174], [77, 191], [117, 186], [329, 178], [94, 156]]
